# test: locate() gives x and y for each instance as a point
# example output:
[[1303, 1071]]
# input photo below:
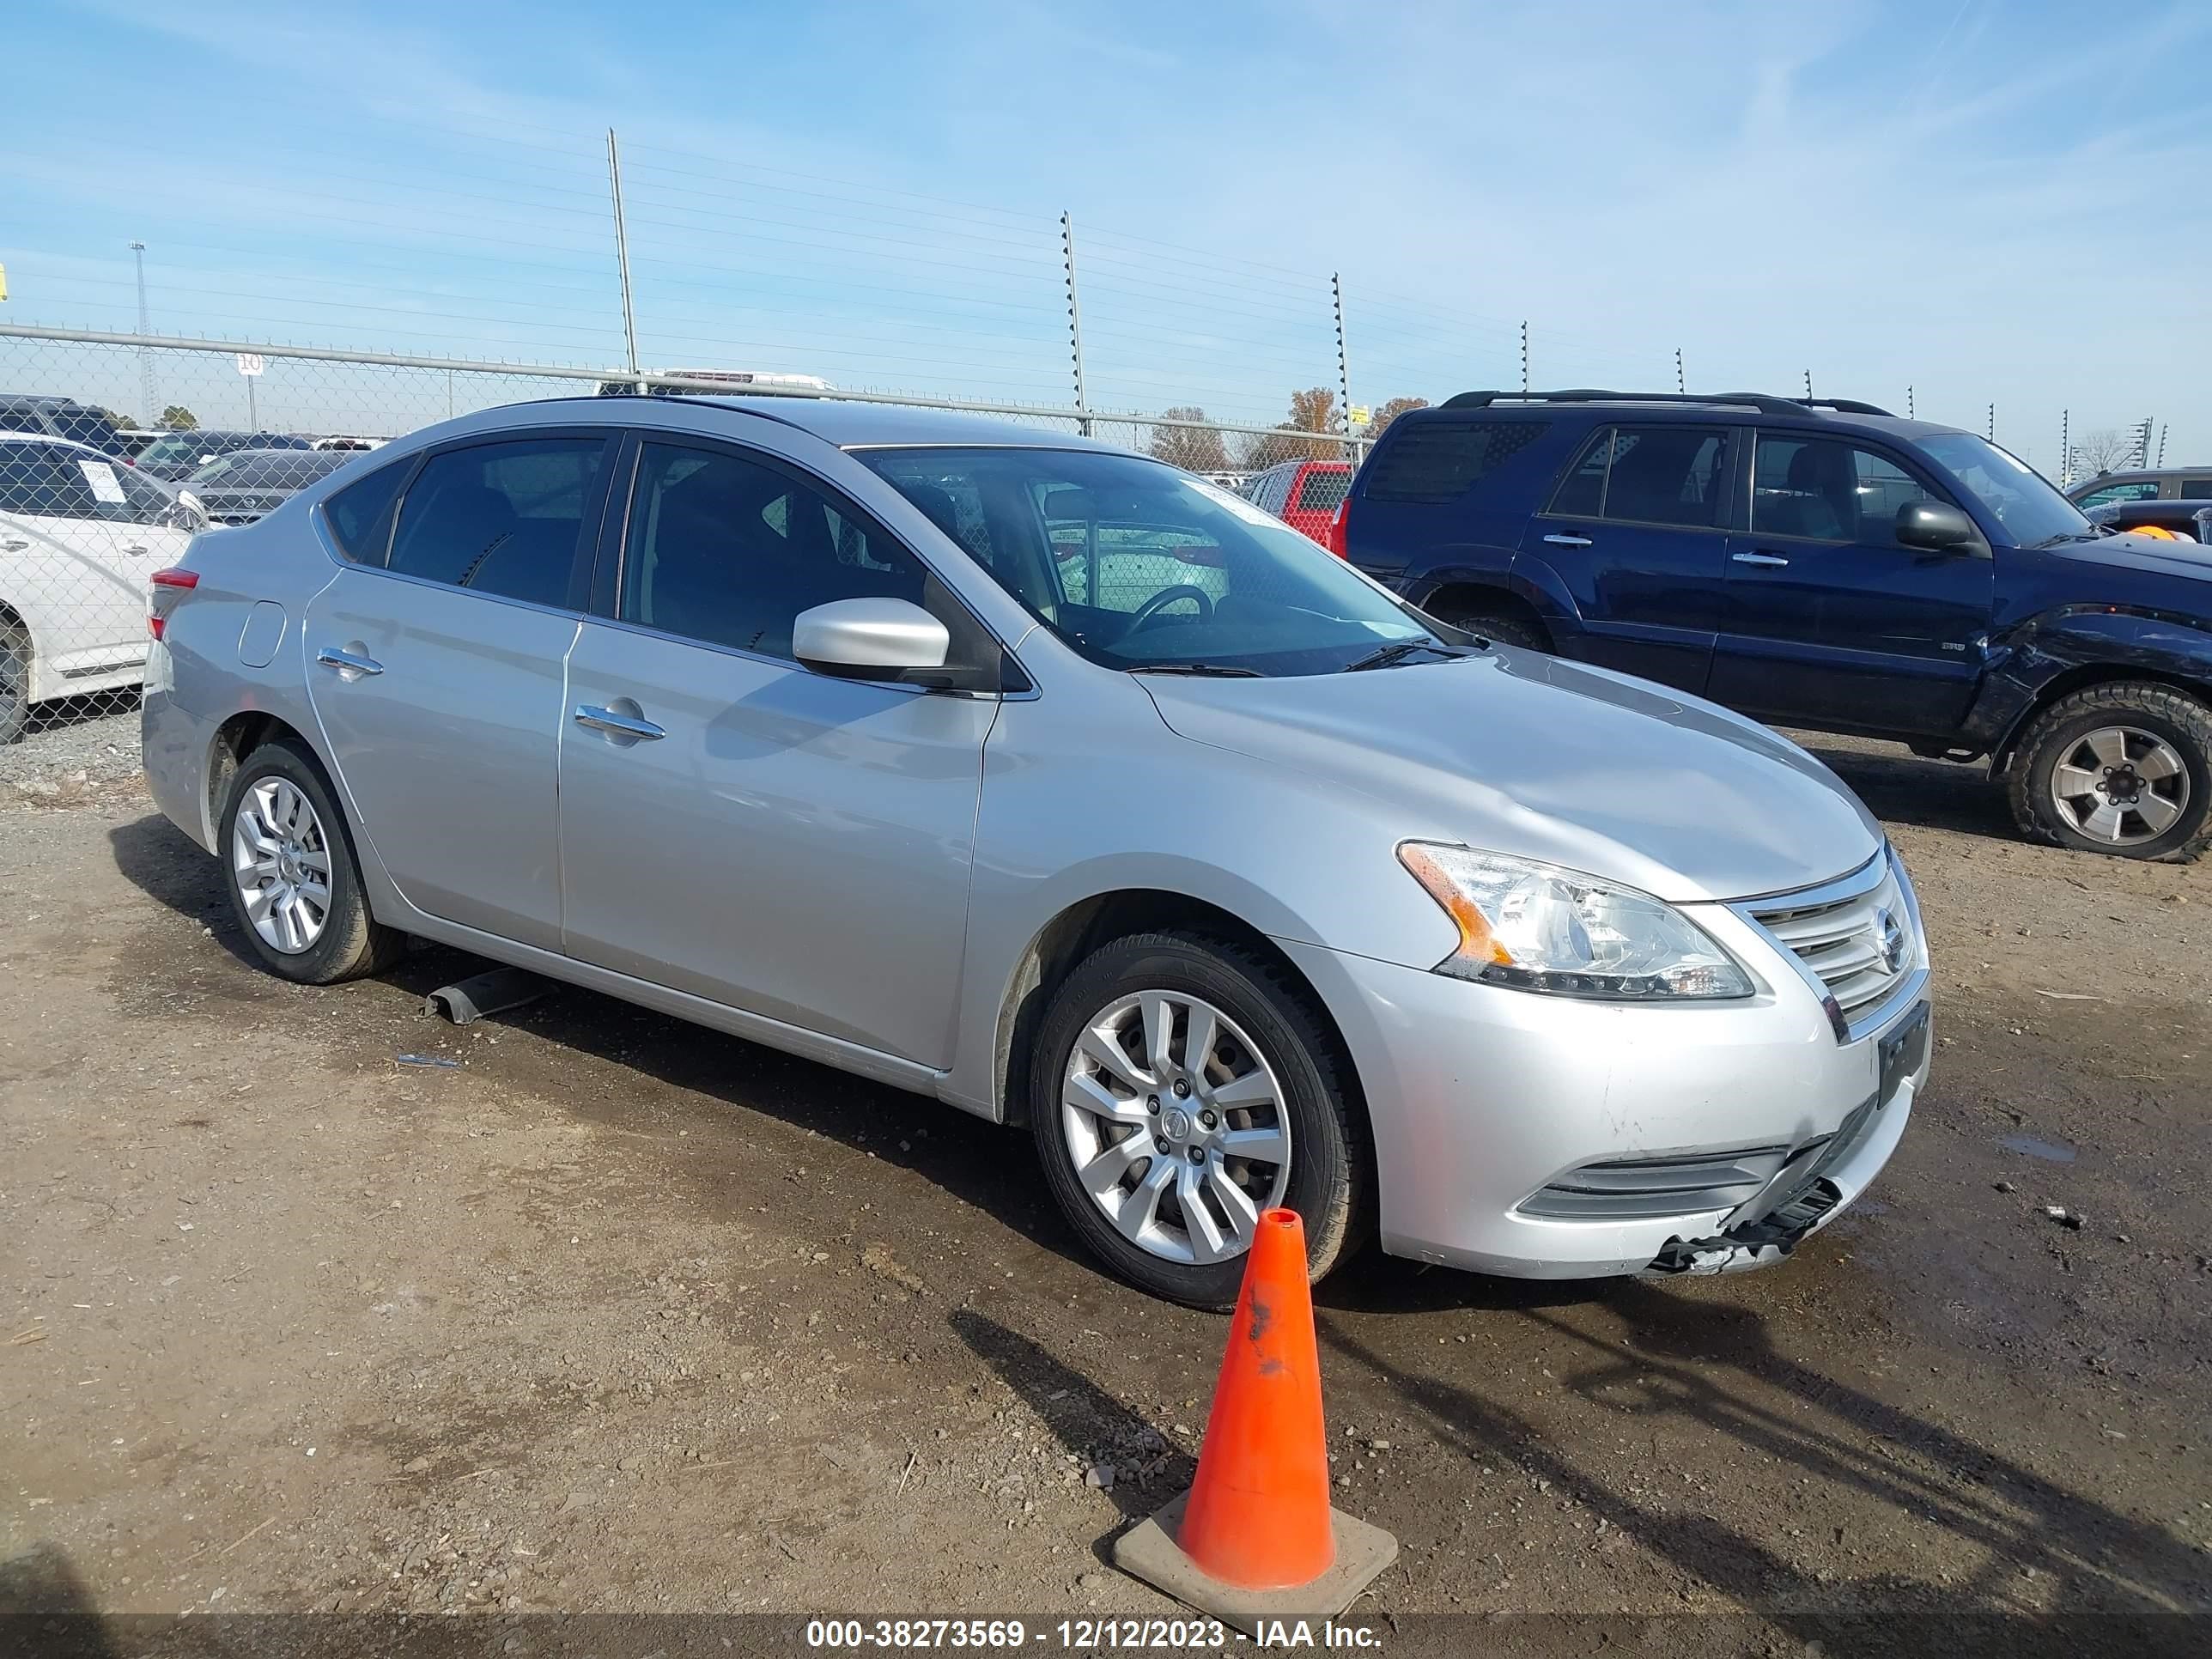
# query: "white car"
[[80, 534]]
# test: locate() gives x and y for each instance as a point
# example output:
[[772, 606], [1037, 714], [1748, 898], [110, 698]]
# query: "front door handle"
[[1769, 559], [350, 664], [617, 724], [1568, 541], [138, 549], [11, 545]]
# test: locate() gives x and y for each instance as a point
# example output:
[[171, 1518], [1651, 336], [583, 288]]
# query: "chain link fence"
[[95, 500]]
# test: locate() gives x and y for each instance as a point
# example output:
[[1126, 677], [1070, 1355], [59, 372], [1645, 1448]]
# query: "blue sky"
[[1987, 203]]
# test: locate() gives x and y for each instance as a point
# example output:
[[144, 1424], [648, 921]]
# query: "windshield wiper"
[[1211, 670], [1398, 651]]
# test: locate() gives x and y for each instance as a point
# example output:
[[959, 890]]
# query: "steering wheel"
[[1168, 596]]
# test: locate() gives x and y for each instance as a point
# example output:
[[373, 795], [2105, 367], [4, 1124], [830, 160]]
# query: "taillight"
[[178, 582], [1334, 539]]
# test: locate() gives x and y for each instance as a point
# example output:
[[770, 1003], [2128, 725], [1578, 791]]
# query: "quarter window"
[[1442, 461], [1647, 475], [502, 519], [729, 551], [1323, 489], [1826, 490], [361, 514]]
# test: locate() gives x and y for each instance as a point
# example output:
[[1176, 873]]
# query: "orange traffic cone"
[[1254, 1537]]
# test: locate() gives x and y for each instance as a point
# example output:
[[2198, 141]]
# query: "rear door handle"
[[350, 664], [1758, 558], [617, 724], [11, 545], [1568, 541]]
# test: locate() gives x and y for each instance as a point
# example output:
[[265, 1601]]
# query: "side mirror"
[[1938, 528], [869, 636]]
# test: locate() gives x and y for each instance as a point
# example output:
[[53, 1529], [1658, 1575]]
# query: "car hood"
[[1516, 752], [2154, 554]]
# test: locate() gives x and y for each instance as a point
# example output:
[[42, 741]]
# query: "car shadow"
[[1901, 787], [987, 1166], [45, 1608], [2107, 1581]]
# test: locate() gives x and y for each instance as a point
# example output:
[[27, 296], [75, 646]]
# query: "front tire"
[[294, 883], [1505, 629], [1182, 1086], [2123, 769]]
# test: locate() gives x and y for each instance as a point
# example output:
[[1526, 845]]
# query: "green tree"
[[1390, 412], [177, 418], [1194, 449]]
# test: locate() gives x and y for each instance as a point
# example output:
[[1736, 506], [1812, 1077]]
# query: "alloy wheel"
[[2120, 785], [280, 858], [1176, 1125]]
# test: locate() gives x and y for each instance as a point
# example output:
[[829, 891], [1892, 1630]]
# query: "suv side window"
[[1668, 475], [1826, 489], [2144, 490], [728, 550], [500, 518]]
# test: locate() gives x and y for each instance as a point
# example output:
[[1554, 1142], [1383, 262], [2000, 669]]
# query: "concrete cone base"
[[1149, 1551]]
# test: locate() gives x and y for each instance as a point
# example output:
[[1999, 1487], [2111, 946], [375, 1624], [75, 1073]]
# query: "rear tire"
[[15, 682], [1270, 1078], [294, 880], [1505, 629], [2124, 769]]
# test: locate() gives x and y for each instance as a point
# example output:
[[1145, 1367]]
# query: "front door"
[[742, 828], [1635, 533], [1829, 620], [438, 678]]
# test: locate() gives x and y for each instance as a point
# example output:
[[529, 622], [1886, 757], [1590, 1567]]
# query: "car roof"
[[93, 450], [1598, 408], [863, 425]]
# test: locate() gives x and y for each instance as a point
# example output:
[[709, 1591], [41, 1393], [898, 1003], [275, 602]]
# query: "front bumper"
[[1481, 1097]]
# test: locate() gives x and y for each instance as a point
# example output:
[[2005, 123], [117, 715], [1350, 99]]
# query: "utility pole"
[[1524, 357], [1681, 387], [1074, 320], [145, 326], [622, 262], [1343, 364]]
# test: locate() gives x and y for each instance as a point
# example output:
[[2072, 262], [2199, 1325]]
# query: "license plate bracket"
[[1904, 1046]]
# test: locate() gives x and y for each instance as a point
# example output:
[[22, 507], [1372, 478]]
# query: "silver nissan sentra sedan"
[[1061, 785]]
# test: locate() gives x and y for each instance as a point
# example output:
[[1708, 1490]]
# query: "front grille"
[[1859, 945]]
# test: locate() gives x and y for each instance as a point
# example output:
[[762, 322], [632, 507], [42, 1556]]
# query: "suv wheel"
[[14, 681], [1184, 1085], [1506, 630], [2124, 768], [293, 878]]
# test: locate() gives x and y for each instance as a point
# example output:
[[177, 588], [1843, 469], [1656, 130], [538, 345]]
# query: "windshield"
[[261, 469], [1139, 566], [2016, 495], [181, 449]]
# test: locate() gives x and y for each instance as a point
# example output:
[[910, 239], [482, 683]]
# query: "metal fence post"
[[622, 261], [1074, 320], [1993, 423], [2065, 448], [1343, 366], [1524, 357], [1681, 386], [1909, 414], [2162, 431], [153, 416]]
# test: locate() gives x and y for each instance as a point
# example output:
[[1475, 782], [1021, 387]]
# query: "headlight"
[[1538, 927]]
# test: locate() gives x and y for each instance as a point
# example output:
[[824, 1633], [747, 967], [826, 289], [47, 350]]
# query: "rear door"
[[1830, 620], [437, 667], [1635, 534]]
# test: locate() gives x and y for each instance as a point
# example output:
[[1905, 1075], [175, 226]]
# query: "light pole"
[[153, 414]]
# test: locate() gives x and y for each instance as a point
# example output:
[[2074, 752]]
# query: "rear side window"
[[1323, 490], [502, 519], [1441, 460], [1647, 475], [360, 514], [2194, 490]]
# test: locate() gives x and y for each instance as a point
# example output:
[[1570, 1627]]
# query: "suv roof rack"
[[1765, 403]]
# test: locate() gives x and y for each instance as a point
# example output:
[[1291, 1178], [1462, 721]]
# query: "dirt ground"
[[618, 1314]]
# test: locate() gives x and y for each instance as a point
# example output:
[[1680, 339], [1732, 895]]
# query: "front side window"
[[46, 480], [1668, 475], [2032, 514], [502, 519], [2143, 490], [1137, 565], [1827, 491], [727, 549]]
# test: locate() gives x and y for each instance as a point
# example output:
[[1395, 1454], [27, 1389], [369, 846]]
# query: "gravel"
[[64, 743]]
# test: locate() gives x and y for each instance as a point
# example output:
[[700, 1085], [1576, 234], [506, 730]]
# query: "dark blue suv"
[[1824, 564]]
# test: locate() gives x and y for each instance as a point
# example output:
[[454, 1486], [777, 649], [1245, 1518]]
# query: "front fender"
[[2027, 663]]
